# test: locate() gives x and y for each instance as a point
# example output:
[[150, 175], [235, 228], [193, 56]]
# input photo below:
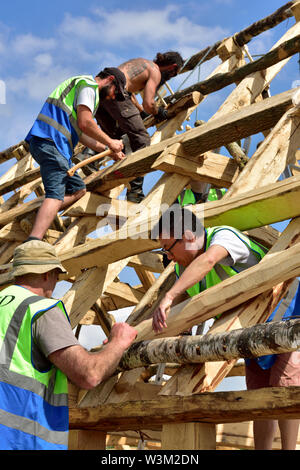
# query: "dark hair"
[[169, 58], [175, 221]]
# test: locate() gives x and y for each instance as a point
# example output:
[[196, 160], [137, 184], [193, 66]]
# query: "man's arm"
[[89, 127], [149, 92], [86, 369], [92, 143], [194, 273]]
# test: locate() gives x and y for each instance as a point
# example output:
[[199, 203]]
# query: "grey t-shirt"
[[51, 332]]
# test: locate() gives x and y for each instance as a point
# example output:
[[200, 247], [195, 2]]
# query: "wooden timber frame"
[[131, 405]]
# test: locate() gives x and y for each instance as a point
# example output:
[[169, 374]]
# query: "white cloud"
[[43, 60], [29, 44], [147, 27]]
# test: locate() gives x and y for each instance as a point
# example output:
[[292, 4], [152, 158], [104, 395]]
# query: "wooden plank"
[[188, 436], [123, 243], [250, 89], [212, 168], [86, 440], [276, 267], [258, 310], [255, 208], [242, 37], [27, 207], [226, 129], [220, 407], [272, 157]]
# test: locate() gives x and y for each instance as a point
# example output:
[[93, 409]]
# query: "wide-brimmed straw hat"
[[35, 257]]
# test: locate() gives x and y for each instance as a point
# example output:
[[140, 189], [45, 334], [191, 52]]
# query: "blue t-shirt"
[[291, 313]]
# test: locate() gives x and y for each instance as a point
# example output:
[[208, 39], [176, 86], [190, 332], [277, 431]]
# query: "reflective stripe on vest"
[[63, 98], [33, 404]]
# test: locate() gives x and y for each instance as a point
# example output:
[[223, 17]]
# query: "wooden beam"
[[193, 379], [226, 129], [182, 104], [284, 51], [146, 305], [212, 168], [20, 180], [255, 341], [272, 157], [9, 153], [220, 407], [22, 209], [123, 243], [188, 436], [255, 208], [275, 268], [242, 37]]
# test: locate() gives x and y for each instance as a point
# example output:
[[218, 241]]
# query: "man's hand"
[[162, 114], [159, 320], [118, 156], [122, 334], [144, 115], [116, 145]]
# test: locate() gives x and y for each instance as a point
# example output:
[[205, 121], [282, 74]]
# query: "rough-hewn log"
[[19, 181], [8, 153], [256, 341], [217, 82], [183, 103], [221, 131], [149, 301], [220, 407], [244, 36]]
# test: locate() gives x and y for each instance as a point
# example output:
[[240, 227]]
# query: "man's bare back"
[[138, 72]]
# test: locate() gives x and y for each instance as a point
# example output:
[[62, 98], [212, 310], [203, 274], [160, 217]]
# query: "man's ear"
[[189, 236]]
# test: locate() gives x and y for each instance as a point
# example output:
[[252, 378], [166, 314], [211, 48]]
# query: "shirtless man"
[[123, 115]]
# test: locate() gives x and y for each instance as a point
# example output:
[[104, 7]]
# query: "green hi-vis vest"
[[34, 411], [57, 119], [189, 198], [212, 278]]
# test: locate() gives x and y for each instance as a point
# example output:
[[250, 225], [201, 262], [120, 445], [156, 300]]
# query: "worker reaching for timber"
[[39, 352], [66, 118], [124, 115], [204, 258]]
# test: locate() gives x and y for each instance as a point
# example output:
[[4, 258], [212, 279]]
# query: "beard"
[[104, 92], [165, 76]]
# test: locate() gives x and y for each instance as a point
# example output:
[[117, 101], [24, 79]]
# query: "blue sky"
[[44, 42]]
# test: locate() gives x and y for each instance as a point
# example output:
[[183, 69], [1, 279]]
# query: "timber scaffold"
[[175, 406]]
